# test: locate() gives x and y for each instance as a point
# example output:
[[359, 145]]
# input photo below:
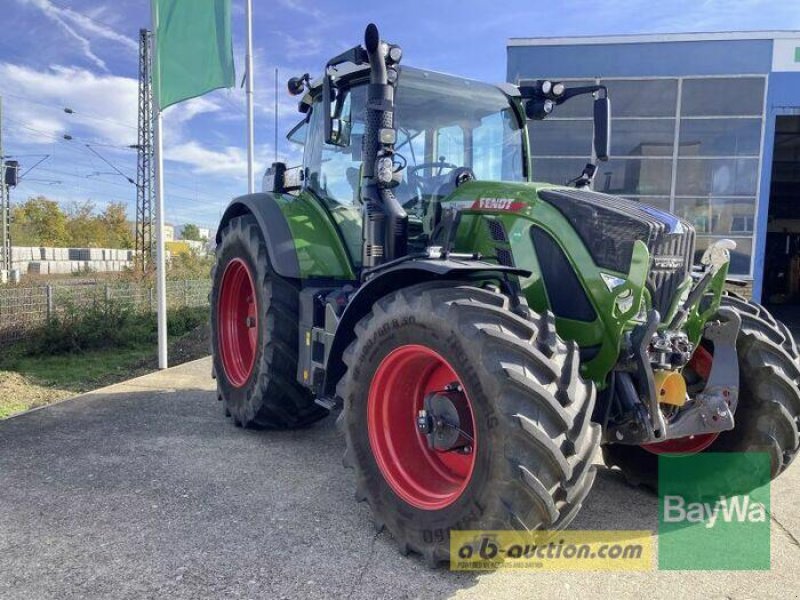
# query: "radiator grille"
[[609, 226], [672, 256]]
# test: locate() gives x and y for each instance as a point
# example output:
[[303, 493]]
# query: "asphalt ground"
[[145, 490]]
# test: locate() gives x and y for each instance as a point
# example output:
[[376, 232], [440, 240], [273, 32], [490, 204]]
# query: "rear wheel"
[[505, 440], [254, 334], [768, 413]]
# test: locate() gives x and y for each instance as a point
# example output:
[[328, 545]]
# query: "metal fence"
[[25, 308]]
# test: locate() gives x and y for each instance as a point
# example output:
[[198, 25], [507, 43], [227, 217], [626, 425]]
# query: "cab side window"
[[333, 171]]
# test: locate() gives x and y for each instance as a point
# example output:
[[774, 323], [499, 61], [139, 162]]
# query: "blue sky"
[[82, 54]]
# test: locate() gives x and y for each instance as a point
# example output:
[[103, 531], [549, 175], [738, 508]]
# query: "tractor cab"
[[449, 131]]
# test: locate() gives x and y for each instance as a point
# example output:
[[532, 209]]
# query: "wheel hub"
[[446, 421]]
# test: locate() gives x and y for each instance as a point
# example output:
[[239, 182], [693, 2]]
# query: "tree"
[[191, 232], [42, 222], [117, 230], [85, 229], [39, 222]]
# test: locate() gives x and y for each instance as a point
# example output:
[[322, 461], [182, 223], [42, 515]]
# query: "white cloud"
[[231, 160], [80, 28], [302, 7], [186, 111], [105, 105], [54, 14], [105, 111]]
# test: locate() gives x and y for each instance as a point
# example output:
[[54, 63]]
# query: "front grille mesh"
[[663, 280], [609, 225]]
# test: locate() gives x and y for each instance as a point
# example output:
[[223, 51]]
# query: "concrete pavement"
[[144, 490]]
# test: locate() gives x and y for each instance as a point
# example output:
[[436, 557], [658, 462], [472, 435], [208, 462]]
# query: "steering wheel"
[[433, 165]]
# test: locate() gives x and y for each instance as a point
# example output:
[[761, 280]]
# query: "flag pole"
[[161, 276], [251, 182]]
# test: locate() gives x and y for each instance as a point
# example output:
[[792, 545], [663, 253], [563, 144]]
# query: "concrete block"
[[81, 254]]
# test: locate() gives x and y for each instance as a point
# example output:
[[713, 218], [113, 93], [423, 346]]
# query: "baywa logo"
[[737, 509], [714, 511]]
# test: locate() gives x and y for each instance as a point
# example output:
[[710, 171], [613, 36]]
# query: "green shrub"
[[108, 324], [185, 319], [100, 325]]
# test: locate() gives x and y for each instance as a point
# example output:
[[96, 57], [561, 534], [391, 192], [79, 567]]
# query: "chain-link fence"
[[25, 308]]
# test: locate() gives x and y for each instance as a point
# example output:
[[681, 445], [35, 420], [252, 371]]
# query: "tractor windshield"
[[442, 123]]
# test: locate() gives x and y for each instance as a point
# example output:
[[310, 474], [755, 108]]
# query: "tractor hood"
[[607, 225]]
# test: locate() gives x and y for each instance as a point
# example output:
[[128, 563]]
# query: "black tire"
[[535, 439], [764, 322], [767, 417], [271, 396]]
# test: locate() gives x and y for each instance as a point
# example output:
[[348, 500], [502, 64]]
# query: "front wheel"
[[461, 415]]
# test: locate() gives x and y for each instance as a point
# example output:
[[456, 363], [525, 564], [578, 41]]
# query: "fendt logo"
[[497, 204], [668, 262], [736, 509]]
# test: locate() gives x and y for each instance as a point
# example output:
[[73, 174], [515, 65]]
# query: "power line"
[[65, 137], [36, 164], [109, 163], [69, 110], [56, 157], [86, 177]]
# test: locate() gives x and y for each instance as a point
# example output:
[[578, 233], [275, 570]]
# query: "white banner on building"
[[786, 54]]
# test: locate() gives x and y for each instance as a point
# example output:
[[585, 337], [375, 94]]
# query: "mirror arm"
[[579, 91]]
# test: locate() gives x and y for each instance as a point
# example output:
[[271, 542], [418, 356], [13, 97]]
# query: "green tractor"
[[483, 334]]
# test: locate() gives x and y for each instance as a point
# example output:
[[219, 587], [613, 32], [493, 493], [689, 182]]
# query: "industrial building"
[[705, 125]]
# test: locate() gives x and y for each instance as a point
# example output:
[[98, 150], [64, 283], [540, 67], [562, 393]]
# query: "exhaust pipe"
[[385, 222]]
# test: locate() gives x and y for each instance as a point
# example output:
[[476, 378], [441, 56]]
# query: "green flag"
[[193, 53]]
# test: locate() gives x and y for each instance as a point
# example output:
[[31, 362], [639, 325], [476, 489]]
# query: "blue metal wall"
[[676, 59], [662, 59]]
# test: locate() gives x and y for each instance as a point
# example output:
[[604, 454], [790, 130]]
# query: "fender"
[[302, 237], [267, 212], [390, 279]]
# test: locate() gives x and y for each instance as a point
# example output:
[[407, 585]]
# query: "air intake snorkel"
[[385, 223]]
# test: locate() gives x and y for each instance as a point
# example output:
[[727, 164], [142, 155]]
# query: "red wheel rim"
[[424, 478], [237, 318], [701, 363]]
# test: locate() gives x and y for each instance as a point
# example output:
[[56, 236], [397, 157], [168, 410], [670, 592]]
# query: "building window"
[[643, 97], [634, 176], [721, 96], [687, 145]]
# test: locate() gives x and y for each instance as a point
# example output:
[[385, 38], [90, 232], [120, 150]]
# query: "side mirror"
[[337, 130], [602, 127]]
